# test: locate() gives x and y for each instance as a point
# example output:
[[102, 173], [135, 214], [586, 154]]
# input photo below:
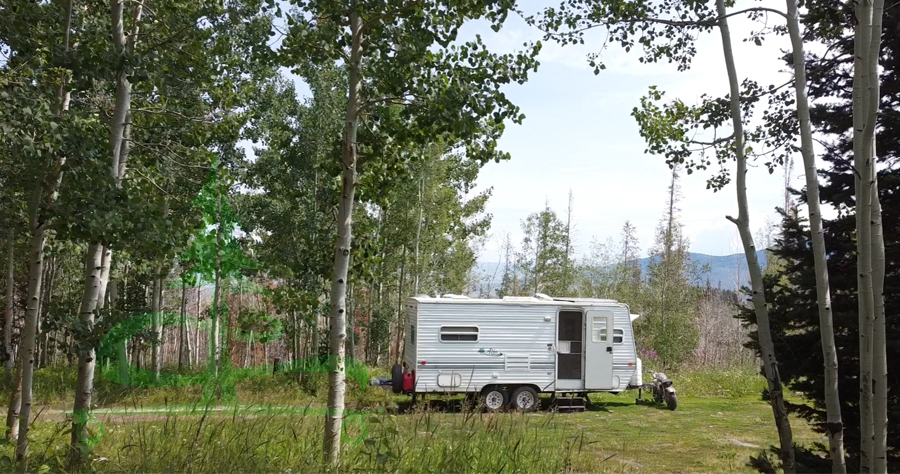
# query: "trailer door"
[[598, 350]]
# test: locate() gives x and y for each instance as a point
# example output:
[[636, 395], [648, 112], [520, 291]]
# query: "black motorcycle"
[[663, 391]]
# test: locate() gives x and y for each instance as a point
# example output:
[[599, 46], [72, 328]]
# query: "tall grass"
[[55, 386], [419, 442], [738, 381]]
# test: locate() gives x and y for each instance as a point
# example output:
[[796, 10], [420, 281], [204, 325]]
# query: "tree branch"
[[676, 23], [174, 114]]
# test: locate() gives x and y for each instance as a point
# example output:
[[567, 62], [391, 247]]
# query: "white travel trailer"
[[509, 350]]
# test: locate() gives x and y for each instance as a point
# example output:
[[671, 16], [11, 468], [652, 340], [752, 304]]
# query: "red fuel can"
[[409, 381]]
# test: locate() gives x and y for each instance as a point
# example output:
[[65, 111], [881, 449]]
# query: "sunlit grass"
[[719, 424]]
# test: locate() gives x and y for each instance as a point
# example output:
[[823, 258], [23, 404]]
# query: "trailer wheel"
[[672, 402], [525, 398], [397, 378], [494, 398]]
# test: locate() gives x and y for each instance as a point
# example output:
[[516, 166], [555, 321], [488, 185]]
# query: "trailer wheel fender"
[[397, 378]]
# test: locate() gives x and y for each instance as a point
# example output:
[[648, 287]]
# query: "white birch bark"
[[767, 347], [19, 428], [10, 305], [155, 308], [196, 360], [834, 424], [95, 259], [879, 342], [336, 376], [861, 125], [213, 348], [45, 193], [94, 263], [876, 245], [184, 345]]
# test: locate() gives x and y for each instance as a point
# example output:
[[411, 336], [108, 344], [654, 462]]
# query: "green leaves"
[[453, 90], [699, 136]]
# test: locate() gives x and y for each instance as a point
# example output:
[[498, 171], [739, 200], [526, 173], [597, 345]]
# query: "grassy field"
[[720, 423]]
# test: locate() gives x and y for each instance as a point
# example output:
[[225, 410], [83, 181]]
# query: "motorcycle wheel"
[[672, 402]]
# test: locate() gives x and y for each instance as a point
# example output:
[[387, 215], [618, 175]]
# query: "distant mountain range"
[[727, 271]]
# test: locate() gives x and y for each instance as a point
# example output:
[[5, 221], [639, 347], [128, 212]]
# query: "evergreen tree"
[[795, 318], [545, 253], [671, 295]]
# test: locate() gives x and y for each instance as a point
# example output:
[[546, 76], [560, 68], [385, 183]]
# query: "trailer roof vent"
[[542, 296], [519, 298], [455, 297]]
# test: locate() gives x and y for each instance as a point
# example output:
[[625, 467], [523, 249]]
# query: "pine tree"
[[671, 293]]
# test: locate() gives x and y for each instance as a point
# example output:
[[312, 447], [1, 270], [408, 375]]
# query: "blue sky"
[[579, 135]]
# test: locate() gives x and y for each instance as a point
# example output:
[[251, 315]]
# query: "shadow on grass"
[[807, 460], [445, 404]]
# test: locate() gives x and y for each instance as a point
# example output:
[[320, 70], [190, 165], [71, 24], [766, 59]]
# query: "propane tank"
[[637, 379]]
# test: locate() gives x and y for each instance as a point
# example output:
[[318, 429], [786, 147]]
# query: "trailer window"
[[459, 333], [412, 333], [618, 336], [598, 328]]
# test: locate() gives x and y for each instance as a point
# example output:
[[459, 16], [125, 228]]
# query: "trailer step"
[[569, 404]]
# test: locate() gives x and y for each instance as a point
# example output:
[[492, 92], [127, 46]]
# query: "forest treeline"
[[686, 319]]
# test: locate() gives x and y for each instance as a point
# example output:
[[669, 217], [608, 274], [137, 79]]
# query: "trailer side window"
[[598, 328], [618, 336], [459, 333], [412, 333]]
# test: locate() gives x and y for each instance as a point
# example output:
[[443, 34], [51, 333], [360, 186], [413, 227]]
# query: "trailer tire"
[[494, 398], [397, 378], [525, 398], [672, 402]]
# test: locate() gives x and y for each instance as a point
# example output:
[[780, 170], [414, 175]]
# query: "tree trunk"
[[567, 265], [10, 306], [248, 356], [212, 361], [336, 379], [226, 387], [351, 333], [156, 310], [15, 402], [85, 351], [121, 346], [418, 236], [45, 311], [861, 128], [834, 428], [767, 347], [879, 350], [196, 361], [51, 177], [395, 355], [316, 336], [183, 348], [99, 258], [879, 379]]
